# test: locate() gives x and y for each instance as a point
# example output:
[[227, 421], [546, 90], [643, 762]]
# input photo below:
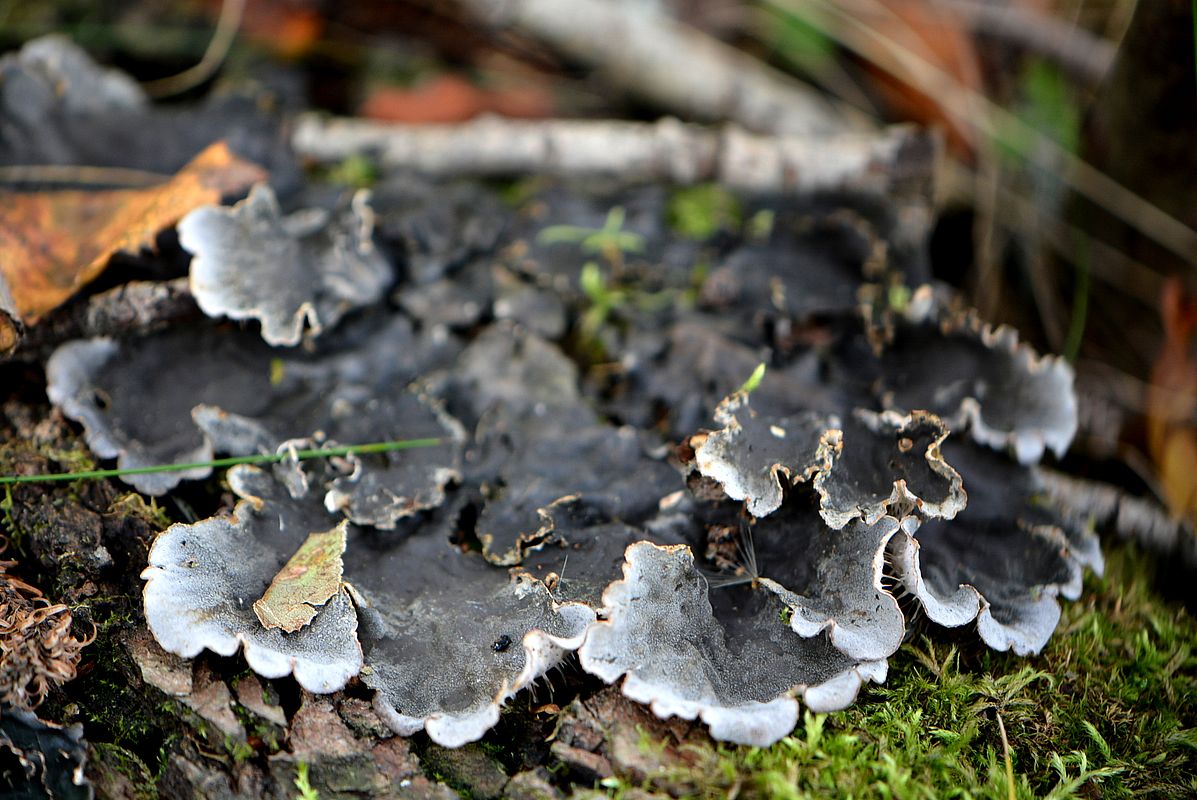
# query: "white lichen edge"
[[1027, 444], [754, 723], [967, 604], [849, 638], [340, 497], [900, 497], [542, 652], [242, 291], [70, 371], [762, 491], [757, 724], [182, 613]]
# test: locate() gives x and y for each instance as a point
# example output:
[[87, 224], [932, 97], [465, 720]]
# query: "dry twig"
[[1081, 53], [668, 63], [899, 160]]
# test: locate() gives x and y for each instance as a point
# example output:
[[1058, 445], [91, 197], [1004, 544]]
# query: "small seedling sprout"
[[610, 241], [754, 380]]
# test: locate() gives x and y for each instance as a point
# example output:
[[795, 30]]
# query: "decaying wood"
[[132, 308], [898, 161], [665, 62]]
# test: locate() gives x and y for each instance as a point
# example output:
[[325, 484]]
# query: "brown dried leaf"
[[939, 37], [1171, 399], [10, 322], [37, 649], [309, 580], [53, 243]]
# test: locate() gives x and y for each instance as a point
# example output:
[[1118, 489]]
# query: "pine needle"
[[298, 455]]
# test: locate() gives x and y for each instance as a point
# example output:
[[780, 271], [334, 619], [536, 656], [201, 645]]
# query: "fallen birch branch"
[[665, 62], [898, 161]]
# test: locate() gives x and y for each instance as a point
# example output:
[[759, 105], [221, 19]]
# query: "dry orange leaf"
[[1171, 401], [288, 28], [452, 98], [53, 243]]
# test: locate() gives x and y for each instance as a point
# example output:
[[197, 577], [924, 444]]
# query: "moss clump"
[[1109, 709], [700, 212], [118, 769]]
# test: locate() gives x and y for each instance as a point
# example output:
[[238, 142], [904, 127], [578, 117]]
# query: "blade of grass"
[[1006, 757], [218, 48], [1080, 304], [299, 455]]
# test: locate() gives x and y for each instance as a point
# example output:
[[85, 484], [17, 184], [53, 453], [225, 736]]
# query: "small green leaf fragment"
[[307, 581], [303, 783], [609, 240], [699, 212], [760, 225], [754, 380], [356, 171], [899, 297], [592, 282]]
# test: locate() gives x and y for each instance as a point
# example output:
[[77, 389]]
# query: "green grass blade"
[[299, 455]]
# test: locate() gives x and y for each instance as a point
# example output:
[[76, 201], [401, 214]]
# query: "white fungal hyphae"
[[735, 664], [840, 589], [306, 269]]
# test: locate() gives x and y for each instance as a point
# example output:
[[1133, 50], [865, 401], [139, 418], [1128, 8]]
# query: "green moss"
[[257, 729], [19, 451], [303, 784], [1108, 709], [700, 212], [106, 757], [132, 504], [356, 172], [240, 751], [12, 531], [116, 714]]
